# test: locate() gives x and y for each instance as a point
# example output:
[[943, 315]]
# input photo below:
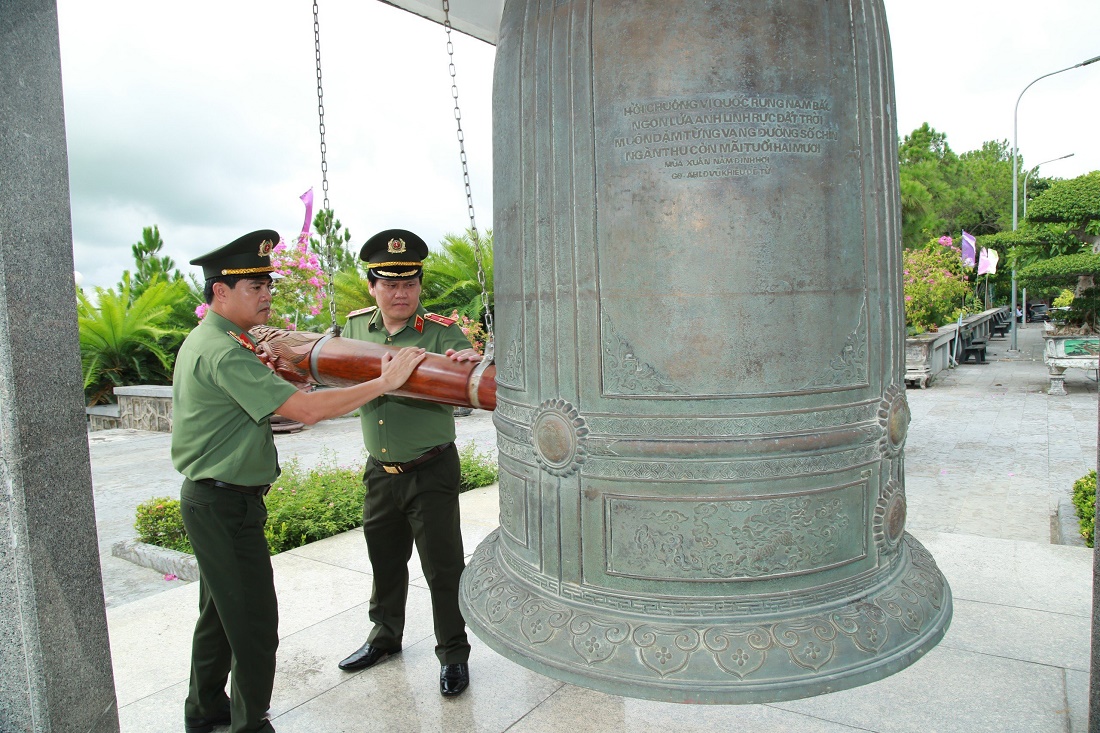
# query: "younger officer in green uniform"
[[222, 397], [413, 474]]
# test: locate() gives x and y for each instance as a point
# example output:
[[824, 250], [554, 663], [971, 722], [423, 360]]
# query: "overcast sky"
[[201, 117]]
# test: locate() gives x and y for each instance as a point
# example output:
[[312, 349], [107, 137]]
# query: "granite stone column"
[[55, 660]]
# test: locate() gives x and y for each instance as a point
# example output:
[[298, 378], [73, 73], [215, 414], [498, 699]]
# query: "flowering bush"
[[474, 331], [299, 296], [936, 285], [160, 523]]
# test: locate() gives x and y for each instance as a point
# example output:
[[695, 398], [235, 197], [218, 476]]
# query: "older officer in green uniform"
[[412, 476], [222, 397]]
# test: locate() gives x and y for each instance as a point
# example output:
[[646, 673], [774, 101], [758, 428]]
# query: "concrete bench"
[[971, 346]]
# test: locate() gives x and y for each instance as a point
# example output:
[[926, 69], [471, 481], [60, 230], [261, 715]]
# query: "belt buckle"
[[391, 469]]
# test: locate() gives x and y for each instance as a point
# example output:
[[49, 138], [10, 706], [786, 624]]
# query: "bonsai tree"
[[1056, 247], [1073, 205]]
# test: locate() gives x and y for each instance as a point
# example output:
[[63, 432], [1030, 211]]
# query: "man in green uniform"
[[222, 397], [412, 476]]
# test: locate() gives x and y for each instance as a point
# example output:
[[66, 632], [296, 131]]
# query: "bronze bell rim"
[[557, 656]]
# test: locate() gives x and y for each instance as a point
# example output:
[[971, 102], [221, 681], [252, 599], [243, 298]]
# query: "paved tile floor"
[[990, 458]]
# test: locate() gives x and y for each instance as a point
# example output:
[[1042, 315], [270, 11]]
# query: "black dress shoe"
[[205, 725], [366, 656], [454, 679]]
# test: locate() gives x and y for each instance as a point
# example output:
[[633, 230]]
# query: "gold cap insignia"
[[266, 247], [396, 246]]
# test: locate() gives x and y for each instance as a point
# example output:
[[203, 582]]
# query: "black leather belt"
[[403, 467], [251, 490]]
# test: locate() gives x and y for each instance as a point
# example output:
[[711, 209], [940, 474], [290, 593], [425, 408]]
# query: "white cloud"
[[201, 117]]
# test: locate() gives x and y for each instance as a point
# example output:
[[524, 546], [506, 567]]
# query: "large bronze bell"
[[700, 350]]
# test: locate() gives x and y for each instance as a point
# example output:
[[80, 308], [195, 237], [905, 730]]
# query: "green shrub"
[[303, 506], [478, 468], [1064, 299], [160, 523], [1084, 498], [306, 506]]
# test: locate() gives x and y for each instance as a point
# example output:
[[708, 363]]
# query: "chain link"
[[466, 181], [328, 252]]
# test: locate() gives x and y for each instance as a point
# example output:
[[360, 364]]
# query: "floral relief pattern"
[[763, 649], [734, 539]]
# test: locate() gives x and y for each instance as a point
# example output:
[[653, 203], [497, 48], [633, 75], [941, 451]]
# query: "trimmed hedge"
[[1084, 498], [303, 506]]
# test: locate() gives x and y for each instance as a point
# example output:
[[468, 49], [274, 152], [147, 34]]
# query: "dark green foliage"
[[1060, 271], [306, 506], [160, 523], [451, 276], [303, 506], [331, 235], [1084, 312], [352, 293], [130, 335], [1084, 498], [944, 193], [478, 469], [148, 267], [126, 340], [1076, 201]]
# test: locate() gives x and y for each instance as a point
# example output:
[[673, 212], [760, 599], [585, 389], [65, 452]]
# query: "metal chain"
[[328, 248], [466, 181]]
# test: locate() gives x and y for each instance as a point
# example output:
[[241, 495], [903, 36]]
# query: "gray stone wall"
[[145, 407], [55, 660]]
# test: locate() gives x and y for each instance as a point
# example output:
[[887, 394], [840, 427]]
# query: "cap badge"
[[396, 246], [266, 248]]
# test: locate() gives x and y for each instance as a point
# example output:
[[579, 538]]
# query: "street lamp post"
[[1028, 175], [1015, 181]]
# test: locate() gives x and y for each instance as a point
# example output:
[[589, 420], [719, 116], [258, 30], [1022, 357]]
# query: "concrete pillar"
[[55, 659]]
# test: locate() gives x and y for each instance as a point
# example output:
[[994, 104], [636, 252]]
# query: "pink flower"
[[945, 240], [200, 312], [908, 298], [314, 282], [171, 576]]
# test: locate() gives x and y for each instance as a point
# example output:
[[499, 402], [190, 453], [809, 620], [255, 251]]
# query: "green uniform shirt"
[[222, 397], [399, 429]]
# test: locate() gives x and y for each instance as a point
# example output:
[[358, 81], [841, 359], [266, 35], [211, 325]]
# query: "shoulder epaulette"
[[441, 320], [361, 311]]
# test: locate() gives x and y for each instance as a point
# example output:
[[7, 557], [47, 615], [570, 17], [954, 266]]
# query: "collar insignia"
[[418, 324], [241, 339], [396, 246]]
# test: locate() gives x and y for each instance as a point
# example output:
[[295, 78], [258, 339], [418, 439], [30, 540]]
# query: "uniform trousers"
[[238, 626], [417, 507]]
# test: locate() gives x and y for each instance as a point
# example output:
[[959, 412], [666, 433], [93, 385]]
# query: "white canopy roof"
[[478, 18]]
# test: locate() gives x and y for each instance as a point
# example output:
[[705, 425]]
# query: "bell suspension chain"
[[489, 341], [328, 249]]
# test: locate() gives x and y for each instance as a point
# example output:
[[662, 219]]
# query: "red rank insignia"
[[418, 324], [441, 320], [241, 339]]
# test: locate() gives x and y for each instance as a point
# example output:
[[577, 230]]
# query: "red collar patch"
[[241, 339], [418, 324], [441, 320]]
